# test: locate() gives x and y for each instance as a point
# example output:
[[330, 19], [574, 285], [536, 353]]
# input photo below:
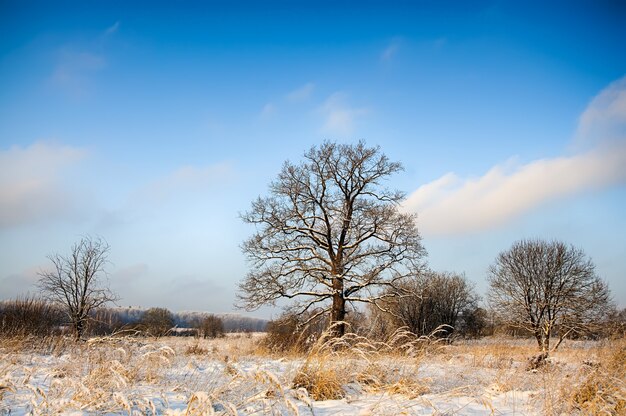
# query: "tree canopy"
[[547, 288], [330, 234], [77, 281]]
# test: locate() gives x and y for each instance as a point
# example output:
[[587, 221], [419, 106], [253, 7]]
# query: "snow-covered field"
[[175, 376]]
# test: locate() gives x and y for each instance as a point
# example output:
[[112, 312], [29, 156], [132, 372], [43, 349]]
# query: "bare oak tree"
[[545, 288], [330, 234], [76, 281]]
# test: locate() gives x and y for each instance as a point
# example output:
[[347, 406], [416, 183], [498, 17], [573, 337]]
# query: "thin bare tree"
[[548, 289], [329, 234], [77, 281]]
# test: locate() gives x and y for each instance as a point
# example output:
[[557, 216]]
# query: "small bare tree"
[[157, 322], [432, 300], [76, 281], [545, 288], [211, 327], [330, 234]]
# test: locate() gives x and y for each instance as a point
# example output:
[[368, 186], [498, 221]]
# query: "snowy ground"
[[173, 376]]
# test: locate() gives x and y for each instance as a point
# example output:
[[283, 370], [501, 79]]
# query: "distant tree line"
[[32, 316]]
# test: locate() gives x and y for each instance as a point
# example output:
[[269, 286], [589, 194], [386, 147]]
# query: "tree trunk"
[[539, 339], [545, 348], [338, 311], [79, 328]]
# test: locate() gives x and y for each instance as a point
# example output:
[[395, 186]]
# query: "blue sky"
[[154, 125]]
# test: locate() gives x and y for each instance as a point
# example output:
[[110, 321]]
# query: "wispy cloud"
[[76, 65], [19, 284], [339, 117], [454, 205], [186, 179], [111, 30], [73, 71], [267, 111], [300, 94], [30, 186], [127, 276], [391, 50]]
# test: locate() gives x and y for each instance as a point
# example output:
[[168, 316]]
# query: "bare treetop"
[[545, 287], [330, 232], [76, 280]]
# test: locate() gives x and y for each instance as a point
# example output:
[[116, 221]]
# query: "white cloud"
[[300, 94], [30, 185], [453, 205], [339, 117], [604, 119]]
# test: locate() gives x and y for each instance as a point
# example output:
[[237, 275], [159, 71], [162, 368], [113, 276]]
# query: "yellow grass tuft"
[[603, 390], [320, 379]]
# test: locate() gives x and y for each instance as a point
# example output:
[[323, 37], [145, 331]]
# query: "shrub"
[[157, 321], [603, 391], [291, 332], [29, 316], [104, 321], [211, 327]]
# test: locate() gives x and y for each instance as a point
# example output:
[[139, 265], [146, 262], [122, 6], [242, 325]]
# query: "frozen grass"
[[404, 375]]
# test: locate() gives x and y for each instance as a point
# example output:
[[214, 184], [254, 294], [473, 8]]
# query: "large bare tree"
[[330, 234], [547, 287], [77, 281]]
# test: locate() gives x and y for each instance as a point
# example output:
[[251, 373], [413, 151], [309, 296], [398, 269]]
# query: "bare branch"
[[76, 281], [547, 287], [329, 232]]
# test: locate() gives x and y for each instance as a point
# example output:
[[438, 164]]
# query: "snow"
[[139, 376]]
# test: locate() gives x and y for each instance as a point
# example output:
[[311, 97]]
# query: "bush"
[[429, 303], [157, 321], [211, 327], [104, 321], [474, 323], [603, 391], [29, 316], [290, 333]]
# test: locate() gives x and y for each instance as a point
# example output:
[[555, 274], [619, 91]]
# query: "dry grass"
[[178, 376], [581, 377], [603, 386], [136, 376], [390, 366], [196, 349]]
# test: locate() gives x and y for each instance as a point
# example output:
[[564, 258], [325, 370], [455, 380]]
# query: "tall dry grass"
[[375, 366], [177, 376], [137, 376]]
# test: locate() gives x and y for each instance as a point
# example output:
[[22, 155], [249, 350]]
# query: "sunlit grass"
[[133, 375]]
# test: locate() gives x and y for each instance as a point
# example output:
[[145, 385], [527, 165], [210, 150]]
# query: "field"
[[233, 375]]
